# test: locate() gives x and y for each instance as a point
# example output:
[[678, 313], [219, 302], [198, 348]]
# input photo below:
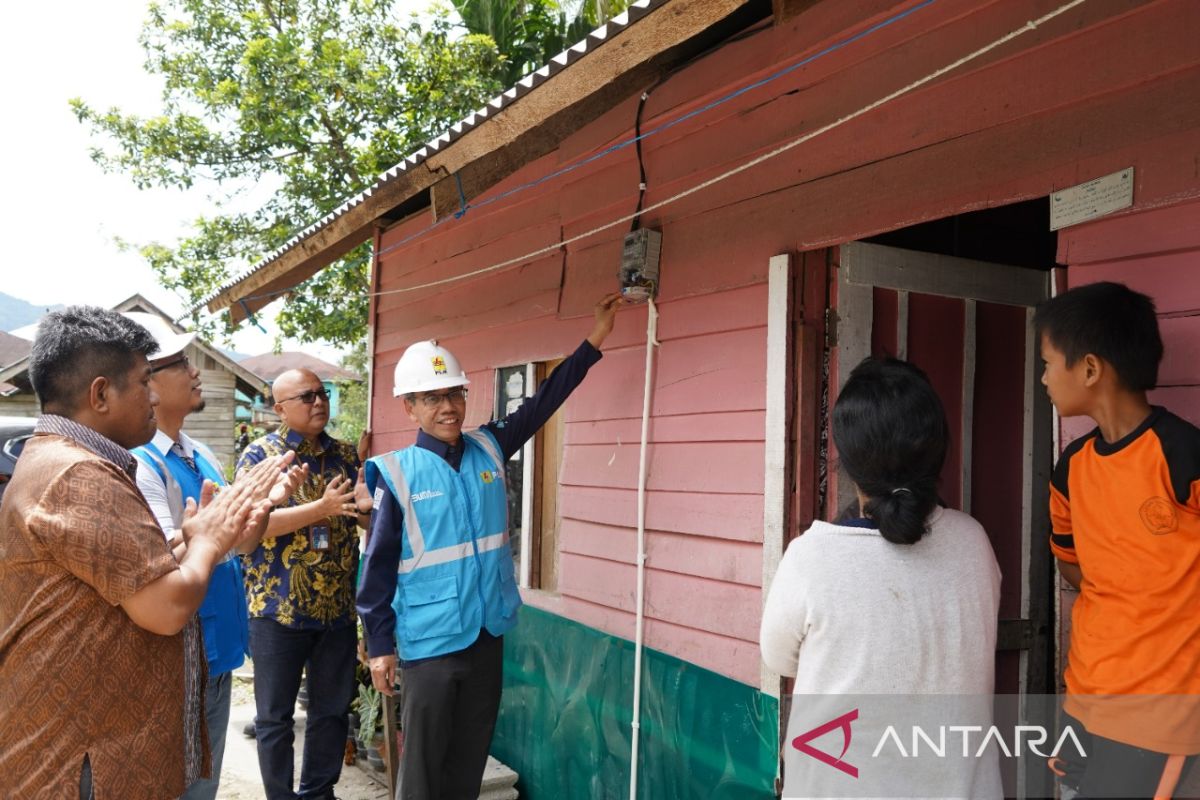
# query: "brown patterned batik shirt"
[[77, 676], [290, 578]]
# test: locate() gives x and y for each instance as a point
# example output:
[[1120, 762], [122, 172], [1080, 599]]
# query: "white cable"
[[651, 343], [1031, 25]]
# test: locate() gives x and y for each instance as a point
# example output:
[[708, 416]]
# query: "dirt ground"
[[240, 779]]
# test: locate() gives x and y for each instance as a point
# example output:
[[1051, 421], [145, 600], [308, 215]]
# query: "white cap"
[[426, 366], [169, 340]]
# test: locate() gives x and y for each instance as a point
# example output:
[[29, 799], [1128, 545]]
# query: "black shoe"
[[248, 730]]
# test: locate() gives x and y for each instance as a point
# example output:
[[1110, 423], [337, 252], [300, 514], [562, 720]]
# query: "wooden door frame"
[[862, 267], [793, 496], [540, 521], [797, 346]]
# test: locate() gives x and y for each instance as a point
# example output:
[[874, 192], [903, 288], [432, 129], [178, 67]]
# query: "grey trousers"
[[217, 700], [448, 713], [86, 790]]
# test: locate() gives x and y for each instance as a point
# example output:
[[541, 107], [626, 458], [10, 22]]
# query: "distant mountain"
[[16, 313]]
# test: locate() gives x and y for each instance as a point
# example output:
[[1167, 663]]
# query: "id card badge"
[[320, 537]]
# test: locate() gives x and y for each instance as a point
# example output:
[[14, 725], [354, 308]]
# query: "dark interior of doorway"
[[1018, 234]]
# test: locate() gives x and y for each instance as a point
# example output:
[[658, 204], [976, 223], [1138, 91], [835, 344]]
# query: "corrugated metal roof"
[[270, 366], [557, 64], [13, 348]]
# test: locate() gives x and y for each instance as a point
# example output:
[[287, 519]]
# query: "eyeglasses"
[[175, 362], [309, 397], [455, 396]]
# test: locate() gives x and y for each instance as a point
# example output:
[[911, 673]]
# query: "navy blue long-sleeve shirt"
[[381, 561]]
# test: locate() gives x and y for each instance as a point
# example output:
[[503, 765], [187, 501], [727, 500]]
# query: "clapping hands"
[[238, 513]]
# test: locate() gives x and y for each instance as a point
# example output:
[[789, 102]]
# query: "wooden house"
[[830, 179], [221, 377], [270, 366]]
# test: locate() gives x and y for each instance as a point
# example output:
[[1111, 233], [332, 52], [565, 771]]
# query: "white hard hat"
[[426, 366], [169, 340]]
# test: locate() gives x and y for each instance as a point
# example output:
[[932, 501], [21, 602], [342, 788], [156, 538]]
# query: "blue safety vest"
[[456, 566], [223, 615]]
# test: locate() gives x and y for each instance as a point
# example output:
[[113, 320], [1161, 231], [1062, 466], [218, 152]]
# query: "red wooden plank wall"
[[1081, 97], [1156, 252]]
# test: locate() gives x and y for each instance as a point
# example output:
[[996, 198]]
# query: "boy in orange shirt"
[[1125, 514]]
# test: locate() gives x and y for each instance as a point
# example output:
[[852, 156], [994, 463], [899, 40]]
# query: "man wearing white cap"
[[438, 579], [173, 467]]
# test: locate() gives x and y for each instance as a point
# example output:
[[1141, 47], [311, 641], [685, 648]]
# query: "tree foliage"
[[306, 101], [529, 32], [351, 419], [288, 107]]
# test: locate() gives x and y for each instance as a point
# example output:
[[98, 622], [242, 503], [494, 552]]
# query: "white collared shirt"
[[152, 486]]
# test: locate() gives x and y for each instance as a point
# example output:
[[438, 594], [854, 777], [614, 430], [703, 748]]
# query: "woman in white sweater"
[[900, 597]]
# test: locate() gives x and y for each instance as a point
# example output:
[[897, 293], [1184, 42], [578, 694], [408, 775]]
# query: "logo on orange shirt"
[[1158, 515]]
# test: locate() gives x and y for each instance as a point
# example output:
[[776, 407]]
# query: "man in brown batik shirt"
[[101, 661]]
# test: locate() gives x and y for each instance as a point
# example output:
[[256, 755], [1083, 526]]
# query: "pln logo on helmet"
[[439, 365]]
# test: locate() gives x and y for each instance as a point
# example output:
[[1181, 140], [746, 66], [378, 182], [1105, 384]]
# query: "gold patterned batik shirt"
[[291, 578]]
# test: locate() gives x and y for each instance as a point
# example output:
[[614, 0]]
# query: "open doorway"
[[956, 297]]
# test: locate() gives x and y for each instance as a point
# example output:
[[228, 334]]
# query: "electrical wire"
[[639, 136], [671, 123], [643, 470], [1031, 25]]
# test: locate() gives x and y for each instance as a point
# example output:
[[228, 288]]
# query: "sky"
[[61, 215]]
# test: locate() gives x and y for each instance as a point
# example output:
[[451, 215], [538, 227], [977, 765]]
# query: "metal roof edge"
[[527, 83]]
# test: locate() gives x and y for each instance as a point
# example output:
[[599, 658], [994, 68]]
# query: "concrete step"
[[509, 793], [499, 782]]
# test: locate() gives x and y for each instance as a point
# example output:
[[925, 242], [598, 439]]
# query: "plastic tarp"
[[566, 710]]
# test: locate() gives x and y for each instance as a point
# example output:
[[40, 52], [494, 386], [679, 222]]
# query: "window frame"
[[528, 476]]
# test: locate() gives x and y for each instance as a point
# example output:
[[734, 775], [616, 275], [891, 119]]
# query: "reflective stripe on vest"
[[455, 573], [421, 557], [150, 455]]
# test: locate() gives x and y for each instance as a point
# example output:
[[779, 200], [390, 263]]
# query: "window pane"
[[511, 392]]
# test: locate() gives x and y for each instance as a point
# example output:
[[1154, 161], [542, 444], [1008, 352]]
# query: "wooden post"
[[391, 755]]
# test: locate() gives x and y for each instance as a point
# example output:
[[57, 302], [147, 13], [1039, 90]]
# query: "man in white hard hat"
[[438, 577], [173, 468]]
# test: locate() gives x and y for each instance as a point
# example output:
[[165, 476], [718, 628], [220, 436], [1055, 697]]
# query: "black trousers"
[[448, 713]]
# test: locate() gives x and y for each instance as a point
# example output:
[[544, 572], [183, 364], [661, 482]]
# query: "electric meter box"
[[639, 265]]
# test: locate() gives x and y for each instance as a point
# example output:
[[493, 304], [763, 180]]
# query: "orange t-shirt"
[[1128, 513]]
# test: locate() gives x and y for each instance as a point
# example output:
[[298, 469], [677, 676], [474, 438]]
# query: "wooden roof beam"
[[530, 126]]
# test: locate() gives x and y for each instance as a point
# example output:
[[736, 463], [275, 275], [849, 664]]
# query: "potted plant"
[[369, 706]]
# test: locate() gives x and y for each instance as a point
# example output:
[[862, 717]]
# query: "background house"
[[220, 374], [902, 205], [271, 365], [16, 399]]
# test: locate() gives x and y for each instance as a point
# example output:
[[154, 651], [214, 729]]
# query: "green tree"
[[311, 98], [351, 420], [528, 33]]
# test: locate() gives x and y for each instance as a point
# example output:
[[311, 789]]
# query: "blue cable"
[[464, 205], [462, 198]]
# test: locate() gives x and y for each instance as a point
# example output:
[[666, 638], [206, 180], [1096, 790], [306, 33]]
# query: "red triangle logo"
[[801, 742]]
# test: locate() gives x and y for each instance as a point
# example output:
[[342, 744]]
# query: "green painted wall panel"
[[565, 716]]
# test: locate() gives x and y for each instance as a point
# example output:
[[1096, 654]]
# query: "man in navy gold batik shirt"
[[300, 594]]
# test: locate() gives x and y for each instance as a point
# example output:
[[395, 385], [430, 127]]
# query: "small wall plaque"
[[1092, 199]]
